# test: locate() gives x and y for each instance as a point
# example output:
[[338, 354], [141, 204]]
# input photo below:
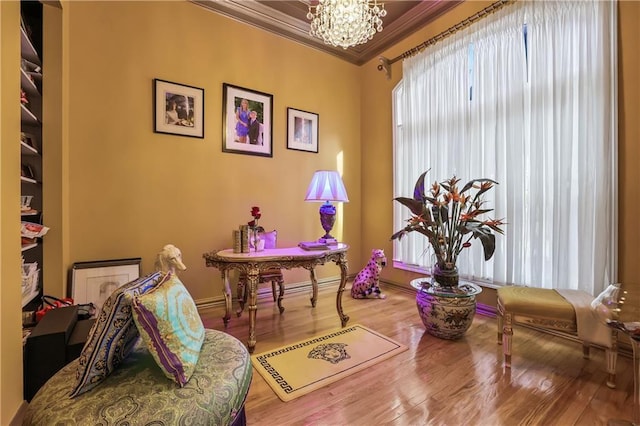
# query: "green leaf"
[[398, 235], [426, 232], [488, 241], [467, 227], [444, 214], [416, 207], [469, 184], [418, 190]]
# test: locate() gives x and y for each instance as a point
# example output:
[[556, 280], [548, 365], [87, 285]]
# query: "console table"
[[283, 258]]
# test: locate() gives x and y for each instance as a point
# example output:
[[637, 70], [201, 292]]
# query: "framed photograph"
[[178, 109], [246, 121], [93, 282], [302, 130]]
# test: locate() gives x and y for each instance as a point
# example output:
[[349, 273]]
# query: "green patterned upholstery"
[[138, 393]]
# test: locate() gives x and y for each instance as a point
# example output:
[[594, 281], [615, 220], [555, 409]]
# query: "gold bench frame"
[[506, 320]]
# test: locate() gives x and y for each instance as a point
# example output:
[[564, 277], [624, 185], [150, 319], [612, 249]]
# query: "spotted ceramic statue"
[[366, 283]]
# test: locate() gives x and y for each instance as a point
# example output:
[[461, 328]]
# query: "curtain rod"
[[385, 64]]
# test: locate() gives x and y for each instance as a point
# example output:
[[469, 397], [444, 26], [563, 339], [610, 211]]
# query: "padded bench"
[[547, 309], [138, 393]]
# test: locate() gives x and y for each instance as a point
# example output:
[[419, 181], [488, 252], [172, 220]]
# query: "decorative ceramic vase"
[[446, 312], [446, 277]]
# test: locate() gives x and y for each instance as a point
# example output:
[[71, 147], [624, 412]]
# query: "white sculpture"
[[169, 259]]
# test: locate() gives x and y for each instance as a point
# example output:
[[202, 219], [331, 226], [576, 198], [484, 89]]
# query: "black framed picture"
[[178, 109], [302, 130], [93, 282], [247, 121]]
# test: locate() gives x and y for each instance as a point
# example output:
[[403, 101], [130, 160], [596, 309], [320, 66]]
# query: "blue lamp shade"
[[327, 186]]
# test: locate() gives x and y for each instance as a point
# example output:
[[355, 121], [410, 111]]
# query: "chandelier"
[[346, 23]]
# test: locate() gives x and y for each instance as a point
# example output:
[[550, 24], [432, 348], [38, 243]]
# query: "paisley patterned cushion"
[[137, 393], [112, 336], [170, 326]]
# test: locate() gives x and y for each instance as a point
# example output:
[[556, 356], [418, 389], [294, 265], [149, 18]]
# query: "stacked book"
[[313, 245]]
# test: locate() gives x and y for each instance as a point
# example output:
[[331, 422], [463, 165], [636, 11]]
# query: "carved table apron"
[[283, 258]]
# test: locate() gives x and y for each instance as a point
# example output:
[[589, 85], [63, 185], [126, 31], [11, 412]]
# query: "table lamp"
[[326, 186]]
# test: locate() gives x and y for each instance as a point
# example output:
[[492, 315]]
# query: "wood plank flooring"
[[435, 382]]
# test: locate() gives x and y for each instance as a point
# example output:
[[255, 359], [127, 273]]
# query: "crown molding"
[[286, 24]]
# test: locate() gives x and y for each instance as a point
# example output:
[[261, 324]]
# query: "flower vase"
[[445, 277], [446, 312], [258, 241]]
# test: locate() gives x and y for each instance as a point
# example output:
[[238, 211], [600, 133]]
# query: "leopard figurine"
[[366, 282]]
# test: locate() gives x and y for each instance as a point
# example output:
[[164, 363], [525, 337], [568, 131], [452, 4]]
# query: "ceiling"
[[289, 19]]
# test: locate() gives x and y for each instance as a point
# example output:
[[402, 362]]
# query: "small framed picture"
[[93, 282], [178, 109], [246, 121], [302, 130]]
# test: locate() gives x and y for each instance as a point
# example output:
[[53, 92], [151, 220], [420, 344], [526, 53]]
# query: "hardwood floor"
[[435, 382]]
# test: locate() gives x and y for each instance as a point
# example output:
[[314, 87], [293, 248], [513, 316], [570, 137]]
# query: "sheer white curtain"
[[527, 97]]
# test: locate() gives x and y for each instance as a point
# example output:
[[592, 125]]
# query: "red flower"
[[252, 223], [255, 212]]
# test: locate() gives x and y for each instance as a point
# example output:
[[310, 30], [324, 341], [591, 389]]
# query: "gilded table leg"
[[280, 295], [241, 294], [252, 282], [226, 290], [507, 337], [611, 355], [342, 263], [314, 287]]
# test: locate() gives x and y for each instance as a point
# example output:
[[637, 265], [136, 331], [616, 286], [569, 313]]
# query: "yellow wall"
[[10, 297], [629, 152], [124, 191], [132, 190]]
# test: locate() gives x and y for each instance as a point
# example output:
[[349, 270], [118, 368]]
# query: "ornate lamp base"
[[327, 219], [326, 240]]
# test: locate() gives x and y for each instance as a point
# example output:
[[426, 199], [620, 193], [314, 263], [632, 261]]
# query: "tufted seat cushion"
[[138, 393]]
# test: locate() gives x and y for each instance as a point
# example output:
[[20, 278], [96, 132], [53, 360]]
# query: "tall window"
[[527, 97]]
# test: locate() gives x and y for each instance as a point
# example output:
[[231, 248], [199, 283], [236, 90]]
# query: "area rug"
[[297, 369]]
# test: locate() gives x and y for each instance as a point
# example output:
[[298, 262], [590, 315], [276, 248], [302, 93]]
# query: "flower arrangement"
[[253, 225], [255, 212], [450, 218]]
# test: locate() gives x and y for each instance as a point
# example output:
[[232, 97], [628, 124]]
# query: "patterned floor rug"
[[297, 369]]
